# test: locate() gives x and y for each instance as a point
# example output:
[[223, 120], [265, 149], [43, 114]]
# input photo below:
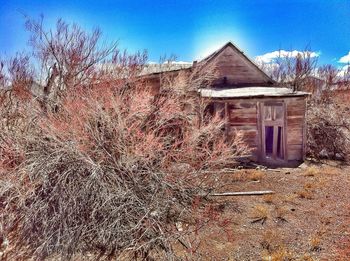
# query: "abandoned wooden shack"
[[272, 118]]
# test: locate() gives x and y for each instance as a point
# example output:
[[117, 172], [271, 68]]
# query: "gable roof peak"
[[221, 49], [236, 49]]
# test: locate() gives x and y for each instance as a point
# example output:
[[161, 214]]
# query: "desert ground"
[[308, 217]]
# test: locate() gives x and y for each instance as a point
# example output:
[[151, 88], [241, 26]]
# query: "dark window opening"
[[269, 140]]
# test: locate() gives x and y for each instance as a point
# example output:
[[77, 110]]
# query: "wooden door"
[[273, 134]]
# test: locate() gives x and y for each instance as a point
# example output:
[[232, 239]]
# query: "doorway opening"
[[273, 131]]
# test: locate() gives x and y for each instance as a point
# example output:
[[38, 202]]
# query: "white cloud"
[[272, 56], [345, 59], [344, 71]]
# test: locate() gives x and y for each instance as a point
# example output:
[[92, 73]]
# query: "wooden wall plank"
[[259, 129], [294, 122], [286, 128], [244, 115], [235, 69]]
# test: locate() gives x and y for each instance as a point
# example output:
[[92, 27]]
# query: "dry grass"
[[309, 186], [330, 171], [315, 242], [247, 175], [308, 190], [281, 254], [259, 213], [270, 198], [281, 212], [311, 171], [255, 175], [271, 240], [318, 172], [289, 198], [293, 239], [305, 194], [306, 257]]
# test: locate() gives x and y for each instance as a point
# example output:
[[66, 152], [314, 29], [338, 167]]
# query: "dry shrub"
[[111, 168], [98, 177], [328, 131]]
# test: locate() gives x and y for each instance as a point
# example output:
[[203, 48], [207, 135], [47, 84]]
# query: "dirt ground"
[[308, 217]]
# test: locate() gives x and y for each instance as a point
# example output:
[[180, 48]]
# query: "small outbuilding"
[[272, 118]]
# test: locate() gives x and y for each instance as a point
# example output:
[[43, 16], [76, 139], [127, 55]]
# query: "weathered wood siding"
[[296, 127], [154, 81], [243, 115], [235, 69]]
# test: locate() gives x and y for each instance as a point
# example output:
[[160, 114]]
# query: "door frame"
[[275, 123]]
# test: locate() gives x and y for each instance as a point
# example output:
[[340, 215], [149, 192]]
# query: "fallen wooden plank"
[[274, 170], [262, 220], [183, 243], [242, 193]]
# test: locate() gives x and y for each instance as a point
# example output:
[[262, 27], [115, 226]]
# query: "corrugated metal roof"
[[249, 92]]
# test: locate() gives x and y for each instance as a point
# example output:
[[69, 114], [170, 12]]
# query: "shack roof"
[[165, 67], [173, 66], [247, 92]]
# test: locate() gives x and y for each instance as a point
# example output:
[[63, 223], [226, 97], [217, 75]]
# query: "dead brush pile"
[[107, 173], [104, 175], [328, 131]]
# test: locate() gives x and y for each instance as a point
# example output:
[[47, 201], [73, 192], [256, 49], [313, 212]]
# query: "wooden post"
[[285, 130], [304, 131], [262, 123], [275, 141], [259, 127]]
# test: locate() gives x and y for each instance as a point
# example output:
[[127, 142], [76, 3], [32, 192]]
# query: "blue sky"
[[192, 29]]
